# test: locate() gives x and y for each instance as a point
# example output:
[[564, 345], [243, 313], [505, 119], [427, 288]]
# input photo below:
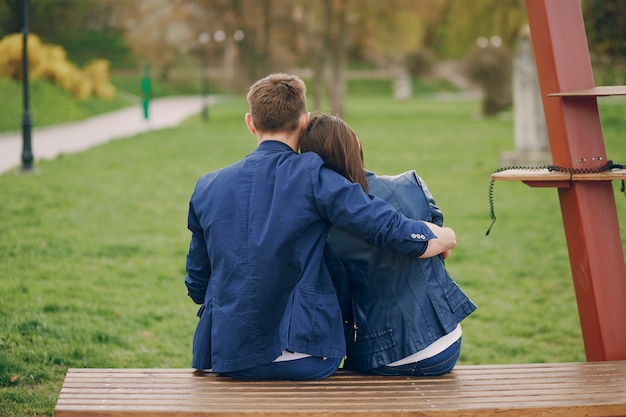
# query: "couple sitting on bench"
[[295, 265]]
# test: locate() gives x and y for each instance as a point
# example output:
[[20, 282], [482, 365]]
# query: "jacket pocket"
[[367, 344], [201, 310]]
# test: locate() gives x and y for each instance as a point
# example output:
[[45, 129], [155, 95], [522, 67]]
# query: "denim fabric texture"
[[437, 365], [393, 305], [296, 370], [255, 262]]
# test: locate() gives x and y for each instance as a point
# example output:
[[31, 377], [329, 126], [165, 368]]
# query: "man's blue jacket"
[[255, 260], [393, 305]]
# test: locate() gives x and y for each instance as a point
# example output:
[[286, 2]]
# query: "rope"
[[607, 167]]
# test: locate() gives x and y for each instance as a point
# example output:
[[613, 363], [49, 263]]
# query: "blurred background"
[[224, 45]]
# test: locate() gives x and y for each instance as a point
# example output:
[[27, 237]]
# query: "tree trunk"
[[338, 59]]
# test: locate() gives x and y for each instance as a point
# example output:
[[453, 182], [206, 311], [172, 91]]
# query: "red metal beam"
[[588, 208]]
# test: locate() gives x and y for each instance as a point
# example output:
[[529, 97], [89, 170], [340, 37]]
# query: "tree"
[[262, 44], [389, 30], [489, 65], [10, 17], [337, 37], [605, 21], [159, 31], [466, 21], [279, 35], [326, 33], [81, 27]]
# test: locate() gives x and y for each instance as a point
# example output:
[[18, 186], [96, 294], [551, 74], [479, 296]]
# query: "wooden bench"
[[558, 389]]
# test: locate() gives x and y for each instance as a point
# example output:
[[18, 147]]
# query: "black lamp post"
[[204, 38], [27, 123]]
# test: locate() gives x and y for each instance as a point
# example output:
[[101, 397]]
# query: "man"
[[255, 262]]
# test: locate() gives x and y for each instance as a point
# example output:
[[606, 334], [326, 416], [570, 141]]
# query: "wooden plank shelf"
[[530, 175], [616, 174], [543, 178], [546, 175], [601, 91]]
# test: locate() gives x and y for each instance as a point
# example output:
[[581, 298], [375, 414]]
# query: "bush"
[[11, 55], [490, 66], [50, 62], [98, 74], [420, 63], [86, 45]]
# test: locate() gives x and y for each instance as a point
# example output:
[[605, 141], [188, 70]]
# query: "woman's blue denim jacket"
[[393, 305]]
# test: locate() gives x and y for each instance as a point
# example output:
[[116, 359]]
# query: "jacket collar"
[[269, 145]]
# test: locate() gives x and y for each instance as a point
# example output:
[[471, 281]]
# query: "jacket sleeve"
[[198, 265], [346, 205]]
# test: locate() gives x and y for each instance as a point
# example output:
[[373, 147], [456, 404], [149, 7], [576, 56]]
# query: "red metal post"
[[588, 208]]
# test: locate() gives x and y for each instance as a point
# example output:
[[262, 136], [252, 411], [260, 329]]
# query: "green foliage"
[[605, 21], [174, 86], [420, 63], [469, 20], [79, 27], [384, 87], [491, 67], [85, 45], [93, 247], [50, 62], [10, 17]]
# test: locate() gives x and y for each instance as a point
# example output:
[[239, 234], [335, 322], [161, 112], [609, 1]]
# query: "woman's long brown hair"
[[337, 144]]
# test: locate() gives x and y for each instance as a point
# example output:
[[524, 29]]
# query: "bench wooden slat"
[[563, 389]]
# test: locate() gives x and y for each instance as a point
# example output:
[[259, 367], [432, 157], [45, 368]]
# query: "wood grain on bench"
[[560, 389]]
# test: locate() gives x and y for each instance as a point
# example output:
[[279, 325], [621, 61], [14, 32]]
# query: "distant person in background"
[[255, 264], [146, 90], [401, 313]]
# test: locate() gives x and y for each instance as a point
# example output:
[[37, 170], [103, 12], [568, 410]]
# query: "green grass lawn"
[[92, 250], [49, 104]]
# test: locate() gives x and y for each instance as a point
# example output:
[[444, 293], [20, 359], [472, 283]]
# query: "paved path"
[[48, 142]]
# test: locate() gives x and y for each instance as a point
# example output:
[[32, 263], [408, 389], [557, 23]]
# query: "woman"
[[401, 314]]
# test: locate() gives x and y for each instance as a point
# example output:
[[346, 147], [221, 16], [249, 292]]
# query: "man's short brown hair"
[[277, 102]]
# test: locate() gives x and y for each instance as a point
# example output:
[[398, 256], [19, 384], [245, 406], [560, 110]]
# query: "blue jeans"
[[437, 365], [312, 367]]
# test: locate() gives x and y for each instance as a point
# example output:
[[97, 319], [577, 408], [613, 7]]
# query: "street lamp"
[[219, 36], [204, 39], [229, 53], [27, 123], [238, 35]]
